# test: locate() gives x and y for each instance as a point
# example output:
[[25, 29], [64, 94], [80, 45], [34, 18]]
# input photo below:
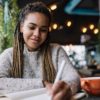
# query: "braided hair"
[[47, 66]]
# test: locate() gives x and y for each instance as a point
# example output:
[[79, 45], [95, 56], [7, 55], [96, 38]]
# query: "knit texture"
[[32, 72]]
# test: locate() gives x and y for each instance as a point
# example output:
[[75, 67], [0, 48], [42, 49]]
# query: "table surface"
[[86, 98], [91, 98], [89, 72]]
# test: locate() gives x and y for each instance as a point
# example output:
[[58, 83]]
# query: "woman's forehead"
[[37, 18]]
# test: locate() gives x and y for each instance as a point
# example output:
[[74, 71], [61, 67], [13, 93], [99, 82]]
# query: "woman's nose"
[[36, 32]]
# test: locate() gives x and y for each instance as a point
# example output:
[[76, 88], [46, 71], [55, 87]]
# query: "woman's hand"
[[59, 90]]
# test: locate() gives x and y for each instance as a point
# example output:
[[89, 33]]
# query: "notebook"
[[36, 94]]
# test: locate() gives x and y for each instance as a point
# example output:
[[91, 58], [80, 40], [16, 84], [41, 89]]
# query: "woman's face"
[[35, 30]]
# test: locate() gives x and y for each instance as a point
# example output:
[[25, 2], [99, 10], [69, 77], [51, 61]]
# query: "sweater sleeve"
[[8, 84], [5, 62], [70, 74]]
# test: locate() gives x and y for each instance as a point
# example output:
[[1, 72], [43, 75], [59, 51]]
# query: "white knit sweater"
[[32, 76]]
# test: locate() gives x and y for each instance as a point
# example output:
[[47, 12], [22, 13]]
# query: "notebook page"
[[25, 94], [39, 97]]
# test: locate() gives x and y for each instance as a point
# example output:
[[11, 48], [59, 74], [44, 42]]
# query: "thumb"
[[48, 85]]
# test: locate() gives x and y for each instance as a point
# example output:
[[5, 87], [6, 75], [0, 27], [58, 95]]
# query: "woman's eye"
[[44, 30], [32, 28]]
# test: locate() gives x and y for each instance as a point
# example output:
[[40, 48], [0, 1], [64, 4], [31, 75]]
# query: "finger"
[[48, 87], [63, 95], [58, 87]]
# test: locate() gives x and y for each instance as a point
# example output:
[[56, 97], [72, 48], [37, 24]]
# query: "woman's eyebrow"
[[45, 26], [33, 24]]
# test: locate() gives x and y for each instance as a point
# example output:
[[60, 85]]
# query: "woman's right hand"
[[59, 90]]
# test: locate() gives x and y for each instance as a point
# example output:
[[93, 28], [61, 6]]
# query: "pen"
[[59, 72], [58, 76]]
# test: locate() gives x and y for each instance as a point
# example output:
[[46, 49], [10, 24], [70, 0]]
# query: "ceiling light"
[[84, 30], [54, 26], [91, 26], [96, 31], [53, 7], [69, 23]]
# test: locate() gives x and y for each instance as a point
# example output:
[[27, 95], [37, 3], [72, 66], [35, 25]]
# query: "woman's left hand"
[[59, 90]]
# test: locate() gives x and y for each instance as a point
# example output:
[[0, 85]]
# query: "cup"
[[91, 85]]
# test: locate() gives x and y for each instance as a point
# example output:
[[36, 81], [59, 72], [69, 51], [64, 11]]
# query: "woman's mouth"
[[34, 40]]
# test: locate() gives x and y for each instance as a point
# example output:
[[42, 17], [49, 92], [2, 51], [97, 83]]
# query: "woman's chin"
[[33, 48]]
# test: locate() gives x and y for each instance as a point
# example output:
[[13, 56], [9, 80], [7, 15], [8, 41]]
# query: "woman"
[[33, 62]]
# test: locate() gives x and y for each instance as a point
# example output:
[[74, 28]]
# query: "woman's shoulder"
[[55, 46], [6, 55], [7, 51]]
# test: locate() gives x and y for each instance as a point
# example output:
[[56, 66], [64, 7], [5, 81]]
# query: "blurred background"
[[75, 25]]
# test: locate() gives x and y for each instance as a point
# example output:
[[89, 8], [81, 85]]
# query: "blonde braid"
[[17, 68], [48, 68]]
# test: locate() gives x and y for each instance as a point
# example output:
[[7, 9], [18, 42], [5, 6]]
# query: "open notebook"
[[35, 94]]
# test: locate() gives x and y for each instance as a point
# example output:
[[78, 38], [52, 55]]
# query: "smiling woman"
[[33, 62], [35, 31]]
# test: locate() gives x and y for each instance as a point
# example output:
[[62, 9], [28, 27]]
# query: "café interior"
[[76, 26]]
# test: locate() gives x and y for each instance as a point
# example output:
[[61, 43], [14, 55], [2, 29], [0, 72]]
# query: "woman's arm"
[[69, 82], [19, 84], [70, 74], [14, 84]]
